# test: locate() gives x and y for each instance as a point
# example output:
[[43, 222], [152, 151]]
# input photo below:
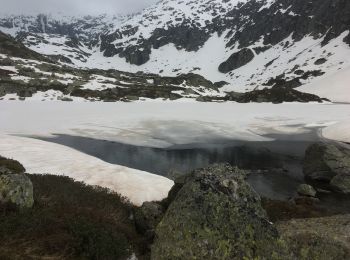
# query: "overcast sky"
[[73, 6]]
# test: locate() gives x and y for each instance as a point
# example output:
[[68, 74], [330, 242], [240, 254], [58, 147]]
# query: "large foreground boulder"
[[328, 163], [215, 215], [15, 187]]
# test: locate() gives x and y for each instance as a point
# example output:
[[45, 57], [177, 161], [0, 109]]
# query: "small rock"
[[306, 190]]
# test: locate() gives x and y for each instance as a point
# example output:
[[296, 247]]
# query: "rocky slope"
[[26, 74]]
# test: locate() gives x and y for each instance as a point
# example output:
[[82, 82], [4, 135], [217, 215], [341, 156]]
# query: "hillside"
[[69, 220], [26, 74]]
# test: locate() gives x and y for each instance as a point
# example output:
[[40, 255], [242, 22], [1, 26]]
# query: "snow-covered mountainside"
[[250, 44], [68, 38]]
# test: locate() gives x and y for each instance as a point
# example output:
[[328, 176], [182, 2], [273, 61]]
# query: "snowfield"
[[44, 157], [154, 124]]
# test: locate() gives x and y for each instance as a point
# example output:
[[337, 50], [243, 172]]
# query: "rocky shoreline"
[[213, 213]]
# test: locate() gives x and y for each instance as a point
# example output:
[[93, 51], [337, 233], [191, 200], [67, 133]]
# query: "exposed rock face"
[[13, 48], [237, 60], [274, 95], [325, 161], [215, 215], [15, 187]]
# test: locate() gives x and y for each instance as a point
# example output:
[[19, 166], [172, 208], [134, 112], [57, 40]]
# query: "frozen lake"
[[122, 141]]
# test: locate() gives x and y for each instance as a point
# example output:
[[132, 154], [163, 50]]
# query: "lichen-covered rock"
[[325, 161], [16, 189], [306, 190], [215, 215]]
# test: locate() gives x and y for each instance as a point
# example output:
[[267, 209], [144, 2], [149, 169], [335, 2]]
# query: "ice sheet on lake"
[[163, 124]]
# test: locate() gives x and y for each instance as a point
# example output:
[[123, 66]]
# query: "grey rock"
[[215, 214], [16, 189], [325, 161], [306, 190]]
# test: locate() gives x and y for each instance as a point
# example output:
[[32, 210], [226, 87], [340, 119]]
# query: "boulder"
[[215, 214], [306, 190], [16, 189], [325, 161]]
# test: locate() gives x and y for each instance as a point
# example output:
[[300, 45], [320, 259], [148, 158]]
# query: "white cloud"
[[73, 6]]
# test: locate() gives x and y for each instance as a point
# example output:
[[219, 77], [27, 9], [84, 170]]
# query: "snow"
[[41, 157], [268, 4], [336, 86], [9, 68], [339, 131], [23, 78]]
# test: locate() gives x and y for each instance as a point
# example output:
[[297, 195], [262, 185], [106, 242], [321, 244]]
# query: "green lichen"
[[216, 215]]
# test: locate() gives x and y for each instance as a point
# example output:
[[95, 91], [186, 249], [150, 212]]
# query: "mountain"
[[249, 44]]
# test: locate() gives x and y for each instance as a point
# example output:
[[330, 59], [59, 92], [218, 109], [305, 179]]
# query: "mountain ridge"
[[250, 44]]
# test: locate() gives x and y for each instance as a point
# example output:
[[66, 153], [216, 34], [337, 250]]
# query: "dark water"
[[276, 166]]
